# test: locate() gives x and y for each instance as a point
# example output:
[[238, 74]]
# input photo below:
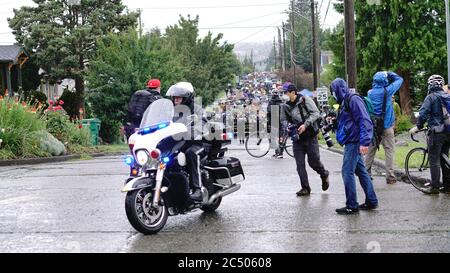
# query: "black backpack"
[[314, 129], [139, 102]]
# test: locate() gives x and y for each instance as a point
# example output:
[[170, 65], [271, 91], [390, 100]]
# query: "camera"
[[293, 132], [328, 125]]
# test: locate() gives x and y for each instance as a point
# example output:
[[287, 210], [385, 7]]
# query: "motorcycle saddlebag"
[[226, 171]]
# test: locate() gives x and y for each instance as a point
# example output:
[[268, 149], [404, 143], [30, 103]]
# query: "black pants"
[[310, 147], [193, 163], [438, 144], [130, 129]]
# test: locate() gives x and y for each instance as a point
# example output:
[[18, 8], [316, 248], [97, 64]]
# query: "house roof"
[[10, 53]]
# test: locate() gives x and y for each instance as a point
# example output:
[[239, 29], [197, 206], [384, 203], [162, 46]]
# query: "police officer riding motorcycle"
[[182, 94]]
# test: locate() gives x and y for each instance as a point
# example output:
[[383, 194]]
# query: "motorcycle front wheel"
[[141, 215]]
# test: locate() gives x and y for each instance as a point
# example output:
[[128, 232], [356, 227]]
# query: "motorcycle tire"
[[136, 215]]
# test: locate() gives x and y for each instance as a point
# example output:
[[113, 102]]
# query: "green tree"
[[62, 36], [208, 65], [123, 65], [407, 37], [303, 31], [125, 62], [248, 65]]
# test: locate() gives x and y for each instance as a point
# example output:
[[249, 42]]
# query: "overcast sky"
[[239, 21]]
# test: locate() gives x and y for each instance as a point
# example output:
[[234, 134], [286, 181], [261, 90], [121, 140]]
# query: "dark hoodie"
[[431, 110], [354, 124]]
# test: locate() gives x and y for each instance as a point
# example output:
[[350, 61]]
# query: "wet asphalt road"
[[78, 207]]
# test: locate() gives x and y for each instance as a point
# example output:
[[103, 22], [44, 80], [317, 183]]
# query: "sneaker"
[[277, 156], [325, 183], [347, 211], [366, 206], [303, 192]]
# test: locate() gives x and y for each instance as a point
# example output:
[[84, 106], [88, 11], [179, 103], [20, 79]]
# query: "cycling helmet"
[[436, 81]]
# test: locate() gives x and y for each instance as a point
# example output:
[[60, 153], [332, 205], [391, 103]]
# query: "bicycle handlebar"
[[412, 135]]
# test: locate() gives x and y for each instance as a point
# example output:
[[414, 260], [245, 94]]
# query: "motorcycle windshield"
[[160, 111]]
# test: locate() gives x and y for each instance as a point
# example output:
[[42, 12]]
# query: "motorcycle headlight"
[[142, 158]]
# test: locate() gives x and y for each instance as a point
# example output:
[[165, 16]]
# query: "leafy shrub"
[[403, 124], [66, 131], [19, 121]]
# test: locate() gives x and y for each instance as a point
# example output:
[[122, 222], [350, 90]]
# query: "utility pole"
[[447, 15], [280, 51], [293, 41], [350, 43], [284, 48], [314, 53], [140, 22], [275, 53]]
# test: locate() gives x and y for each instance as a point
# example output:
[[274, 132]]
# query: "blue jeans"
[[354, 164]]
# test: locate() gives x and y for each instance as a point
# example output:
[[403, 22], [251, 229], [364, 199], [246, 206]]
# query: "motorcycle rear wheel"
[[141, 215]]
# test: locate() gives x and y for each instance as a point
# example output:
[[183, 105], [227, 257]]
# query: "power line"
[[271, 25], [329, 3], [213, 7], [205, 28], [320, 8], [249, 19]]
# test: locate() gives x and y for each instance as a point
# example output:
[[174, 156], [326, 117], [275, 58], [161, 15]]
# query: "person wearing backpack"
[[355, 133], [385, 85], [303, 113], [432, 112], [139, 102]]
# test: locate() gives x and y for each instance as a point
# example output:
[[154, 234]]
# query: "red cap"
[[153, 83]]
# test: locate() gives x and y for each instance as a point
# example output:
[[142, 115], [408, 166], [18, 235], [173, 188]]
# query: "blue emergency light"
[[129, 160]]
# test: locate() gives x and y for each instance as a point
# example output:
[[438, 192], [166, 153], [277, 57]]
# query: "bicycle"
[[417, 164], [258, 145]]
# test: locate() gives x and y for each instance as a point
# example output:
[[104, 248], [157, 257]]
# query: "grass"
[[106, 149]]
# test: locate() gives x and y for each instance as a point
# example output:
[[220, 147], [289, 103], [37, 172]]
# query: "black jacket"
[[139, 102]]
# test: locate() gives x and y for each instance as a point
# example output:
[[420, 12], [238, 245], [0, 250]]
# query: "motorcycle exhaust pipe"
[[223, 193]]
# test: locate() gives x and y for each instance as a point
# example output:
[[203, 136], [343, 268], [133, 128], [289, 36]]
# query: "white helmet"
[[181, 89]]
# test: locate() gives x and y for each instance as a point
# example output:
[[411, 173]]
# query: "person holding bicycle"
[[438, 137], [302, 112]]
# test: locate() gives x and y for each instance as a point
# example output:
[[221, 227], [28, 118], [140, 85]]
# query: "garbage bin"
[[93, 125]]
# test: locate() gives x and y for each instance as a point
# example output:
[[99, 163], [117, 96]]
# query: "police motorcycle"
[[162, 187]]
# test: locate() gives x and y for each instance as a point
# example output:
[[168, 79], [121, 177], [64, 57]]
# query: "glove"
[[414, 131]]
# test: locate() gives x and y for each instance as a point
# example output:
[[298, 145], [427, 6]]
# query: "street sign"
[[322, 94]]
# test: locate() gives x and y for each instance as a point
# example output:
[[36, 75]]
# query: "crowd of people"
[[361, 125]]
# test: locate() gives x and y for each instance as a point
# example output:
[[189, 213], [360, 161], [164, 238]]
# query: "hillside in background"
[[261, 52]]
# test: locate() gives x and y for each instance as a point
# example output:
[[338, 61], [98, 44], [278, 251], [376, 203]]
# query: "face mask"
[[286, 98]]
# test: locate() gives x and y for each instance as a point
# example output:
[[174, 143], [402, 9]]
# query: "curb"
[[55, 159], [401, 175], [33, 161]]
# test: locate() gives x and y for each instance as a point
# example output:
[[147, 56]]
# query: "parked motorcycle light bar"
[[154, 128]]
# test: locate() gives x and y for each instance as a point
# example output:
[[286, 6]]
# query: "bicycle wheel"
[[289, 147], [257, 145], [417, 169]]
